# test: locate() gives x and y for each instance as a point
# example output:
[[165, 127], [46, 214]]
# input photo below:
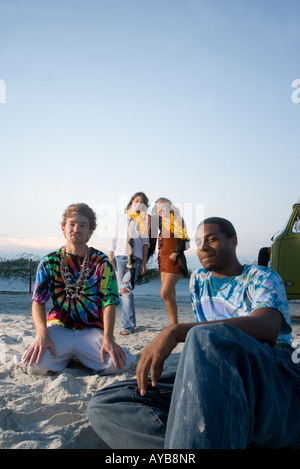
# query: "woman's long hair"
[[138, 194], [172, 210]]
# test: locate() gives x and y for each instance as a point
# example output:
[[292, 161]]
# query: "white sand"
[[50, 412]]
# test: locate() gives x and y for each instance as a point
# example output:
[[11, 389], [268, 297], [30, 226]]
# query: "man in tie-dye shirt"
[[237, 383], [81, 283]]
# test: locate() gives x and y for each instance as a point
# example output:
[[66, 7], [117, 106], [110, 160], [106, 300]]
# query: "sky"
[[193, 100]]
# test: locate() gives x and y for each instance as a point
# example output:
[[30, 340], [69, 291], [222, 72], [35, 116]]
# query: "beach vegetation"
[[18, 267]]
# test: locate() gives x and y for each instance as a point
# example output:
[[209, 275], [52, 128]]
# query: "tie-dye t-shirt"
[[256, 287], [100, 289]]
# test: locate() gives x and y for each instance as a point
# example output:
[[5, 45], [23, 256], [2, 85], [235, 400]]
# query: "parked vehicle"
[[283, 255]]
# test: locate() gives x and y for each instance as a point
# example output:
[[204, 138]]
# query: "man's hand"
[[109, 345], [36, 350], [153, 357], [115, 351]]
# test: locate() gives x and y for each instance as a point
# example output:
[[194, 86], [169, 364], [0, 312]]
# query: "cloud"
[[44, 245], [8, 243]]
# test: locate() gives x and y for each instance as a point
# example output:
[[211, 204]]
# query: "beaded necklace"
[[75, 290]]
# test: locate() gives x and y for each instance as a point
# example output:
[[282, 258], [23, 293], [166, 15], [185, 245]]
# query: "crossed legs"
[[230, 391]]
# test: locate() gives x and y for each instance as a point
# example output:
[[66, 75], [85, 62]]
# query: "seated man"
[[81, 283], [233, 387]]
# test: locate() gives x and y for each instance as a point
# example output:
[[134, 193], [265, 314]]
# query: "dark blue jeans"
[[230, 391]]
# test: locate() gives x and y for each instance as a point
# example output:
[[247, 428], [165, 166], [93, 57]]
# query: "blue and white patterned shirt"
[[256, 287]]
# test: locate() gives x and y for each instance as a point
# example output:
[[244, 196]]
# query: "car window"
[[296, 225]]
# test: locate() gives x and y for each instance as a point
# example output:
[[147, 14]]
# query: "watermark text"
[[2, 92], [295, 96], [191, 212]]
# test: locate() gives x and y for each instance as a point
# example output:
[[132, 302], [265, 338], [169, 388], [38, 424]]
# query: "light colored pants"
[[124, 281], [84, 344]]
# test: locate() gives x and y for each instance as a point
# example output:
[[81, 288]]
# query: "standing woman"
[[129, 253], [172, 242]]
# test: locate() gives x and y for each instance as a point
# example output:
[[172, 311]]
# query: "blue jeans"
[[230, 391], [124, 281]]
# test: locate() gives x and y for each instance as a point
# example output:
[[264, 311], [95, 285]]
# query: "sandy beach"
[[49, 412]]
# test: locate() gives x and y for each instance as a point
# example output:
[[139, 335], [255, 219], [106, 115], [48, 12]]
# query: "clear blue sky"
[[187, 99]]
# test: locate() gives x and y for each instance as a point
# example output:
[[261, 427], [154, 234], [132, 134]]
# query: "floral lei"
[[172, 225], [141, 219]]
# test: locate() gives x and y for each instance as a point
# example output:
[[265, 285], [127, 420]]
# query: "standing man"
[[236, 384], [81, 283]]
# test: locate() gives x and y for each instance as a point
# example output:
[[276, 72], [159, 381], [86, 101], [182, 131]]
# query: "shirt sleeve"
[[145, 241], [269, 292], [41, 291], [108, 287]]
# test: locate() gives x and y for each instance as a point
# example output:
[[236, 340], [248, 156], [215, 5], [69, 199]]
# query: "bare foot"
[[123, 332]]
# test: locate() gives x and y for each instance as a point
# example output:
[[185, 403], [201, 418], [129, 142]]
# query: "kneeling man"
[[81, 283]]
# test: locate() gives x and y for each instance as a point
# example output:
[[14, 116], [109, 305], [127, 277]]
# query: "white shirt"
[[119, 241]]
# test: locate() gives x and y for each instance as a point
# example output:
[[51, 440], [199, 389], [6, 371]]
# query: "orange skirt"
[[166, 247]]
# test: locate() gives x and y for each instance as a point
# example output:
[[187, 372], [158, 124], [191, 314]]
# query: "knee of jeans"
[[214, 336], [126, 288], [112, 395], [220, 328], [98, 404]]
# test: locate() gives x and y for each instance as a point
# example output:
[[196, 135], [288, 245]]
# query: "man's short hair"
[[82, 209], [225, 226]]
